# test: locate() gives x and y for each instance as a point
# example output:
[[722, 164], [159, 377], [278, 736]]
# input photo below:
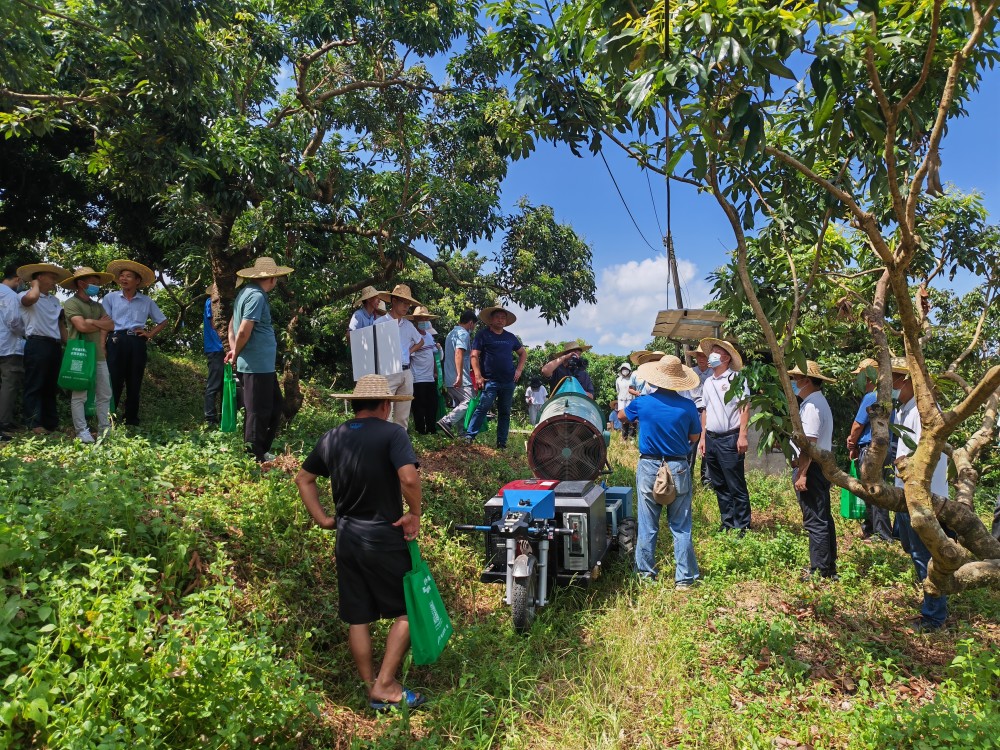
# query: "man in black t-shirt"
[[372, 469]]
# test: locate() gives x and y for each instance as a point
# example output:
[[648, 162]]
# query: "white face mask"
[[714, 360]]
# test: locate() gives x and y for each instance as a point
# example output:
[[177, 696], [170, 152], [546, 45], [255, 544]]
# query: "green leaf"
[[775, 66]]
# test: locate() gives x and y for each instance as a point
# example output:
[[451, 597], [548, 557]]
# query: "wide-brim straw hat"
[[863, 366], [641, 358], [899, 366], [83, 271], [668, 372], [487, 312], [572, 346], [26, 272], [812, 371], [366, 294], [735, 360], [400, 290], [373, 388], [145, 273], [264, 268], [420, 313], [380, 307]]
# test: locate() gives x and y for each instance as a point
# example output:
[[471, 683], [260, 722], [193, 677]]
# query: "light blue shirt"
[[261, 350], [361, 319], [11, 325], [128, 315], [459, 338]]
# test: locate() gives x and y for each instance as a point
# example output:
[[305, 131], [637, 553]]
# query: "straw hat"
[[366, 294], [641, 358], [863, 365], [487, 312], [899, 366], [145, 274], [264, 268], [373, 388], [812, 371], [381, 306], [79, 273], [668, 372], [400, 290], [572, 346], [735, 360], [420, 313], [26, 272]]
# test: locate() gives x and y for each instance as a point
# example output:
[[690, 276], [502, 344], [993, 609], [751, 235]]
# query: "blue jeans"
[[935, 608], [678, 516], [503, 395]]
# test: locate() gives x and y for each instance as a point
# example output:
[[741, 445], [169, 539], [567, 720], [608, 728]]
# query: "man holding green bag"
[[372, 468], [89, 321]]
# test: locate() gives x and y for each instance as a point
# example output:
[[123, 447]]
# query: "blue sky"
[[632, 279]]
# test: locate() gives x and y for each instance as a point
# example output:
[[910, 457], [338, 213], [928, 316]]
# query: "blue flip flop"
[[412, 700]]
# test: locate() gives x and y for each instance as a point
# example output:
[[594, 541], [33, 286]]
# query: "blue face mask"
[[424, 325], [93, 290], [795, 387], [895, 394], [714, 360]]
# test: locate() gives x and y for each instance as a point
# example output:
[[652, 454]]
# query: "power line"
[[624, 202], [652, 200]]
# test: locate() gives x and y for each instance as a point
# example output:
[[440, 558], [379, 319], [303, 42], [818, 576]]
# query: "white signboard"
[[375, 350]]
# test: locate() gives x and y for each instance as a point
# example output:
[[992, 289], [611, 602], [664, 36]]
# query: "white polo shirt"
[[719, 415], [908, 418], [817, 420], [42, 318]]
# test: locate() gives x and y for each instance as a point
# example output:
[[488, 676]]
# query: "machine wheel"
[[522, 603]]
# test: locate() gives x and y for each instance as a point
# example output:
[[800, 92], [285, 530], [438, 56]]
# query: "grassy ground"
[[159, 590]]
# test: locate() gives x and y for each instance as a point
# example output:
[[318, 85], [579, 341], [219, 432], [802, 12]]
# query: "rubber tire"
[[522, 602]]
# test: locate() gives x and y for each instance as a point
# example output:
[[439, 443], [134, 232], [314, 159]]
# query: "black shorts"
[[371, 561]]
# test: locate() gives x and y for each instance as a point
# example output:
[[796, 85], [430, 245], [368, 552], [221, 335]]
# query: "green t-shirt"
[[76, 307]]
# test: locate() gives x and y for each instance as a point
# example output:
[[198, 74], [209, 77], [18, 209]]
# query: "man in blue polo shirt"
[[214, 354], [493, 352], [876, 522], [669, 425]]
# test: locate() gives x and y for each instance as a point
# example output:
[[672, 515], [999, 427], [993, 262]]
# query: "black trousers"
[[727, 474], [42, 357], [876, 521], [263, 403], [126, 366], [817, 519], [996, 519], [424, 408], [213, 386]]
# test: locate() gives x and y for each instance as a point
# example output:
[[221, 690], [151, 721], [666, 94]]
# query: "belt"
[[126, 332], [39, 337], [662, 458], [406, 367], [727, 433]]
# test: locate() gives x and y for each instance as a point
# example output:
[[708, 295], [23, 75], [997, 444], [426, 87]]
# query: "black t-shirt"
[[362, 458], [562, 371]]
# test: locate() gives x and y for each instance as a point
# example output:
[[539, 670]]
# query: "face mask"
[[795, 387], [714, 360], [423, 325], [93, 289], [895, 394]]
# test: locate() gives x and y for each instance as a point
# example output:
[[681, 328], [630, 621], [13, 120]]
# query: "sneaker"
[[445, 428], [84, 436], [685, 585], [5, 438], [269, 456]]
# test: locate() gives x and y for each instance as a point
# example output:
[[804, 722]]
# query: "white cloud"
[[629, 295]]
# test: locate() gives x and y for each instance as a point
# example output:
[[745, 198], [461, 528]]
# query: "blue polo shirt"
[[497, 350], [862, 417], [212, 341], [666, 419]]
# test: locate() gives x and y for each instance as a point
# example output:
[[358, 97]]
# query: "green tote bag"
[[851, 506], [228, 421], [430, 626], [79, 365]]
